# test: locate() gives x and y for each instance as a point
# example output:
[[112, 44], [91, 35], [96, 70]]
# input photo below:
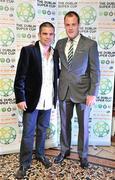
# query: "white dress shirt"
[[47, 90], [75, 43]]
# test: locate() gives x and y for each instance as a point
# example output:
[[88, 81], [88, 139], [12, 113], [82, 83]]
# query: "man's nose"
[[48, 35], [70, 27]]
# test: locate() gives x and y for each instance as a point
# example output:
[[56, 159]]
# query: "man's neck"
[[74, 37], [45, 48]]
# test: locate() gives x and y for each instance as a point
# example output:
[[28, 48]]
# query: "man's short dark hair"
[[46, 24], [72, 13]]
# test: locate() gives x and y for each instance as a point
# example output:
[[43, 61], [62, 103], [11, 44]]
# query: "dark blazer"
[[83, 76], [28, 79]]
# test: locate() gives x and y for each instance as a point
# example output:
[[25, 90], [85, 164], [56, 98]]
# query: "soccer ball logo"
[[106, 40], [6, 36], [87, 15], [101, 129], [6, 87], [7, 135], [25, 12], [105, 86]]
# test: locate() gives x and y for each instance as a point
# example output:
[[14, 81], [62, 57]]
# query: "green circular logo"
[[50, 131], [6, 87], [87, 15], [105, 86], [6, 37], [62, 35], [101, 129], [25, 12], [106, 40], [7, 135], [2, 60]]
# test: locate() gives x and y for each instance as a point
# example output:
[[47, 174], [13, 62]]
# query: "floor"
[[101, 166], [69, 169], [99, 155], [101, 151]]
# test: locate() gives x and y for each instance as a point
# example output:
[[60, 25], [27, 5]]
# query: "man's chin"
[[70, 36]]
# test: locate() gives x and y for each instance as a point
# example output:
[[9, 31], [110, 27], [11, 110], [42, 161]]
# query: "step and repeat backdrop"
[[19, 23]]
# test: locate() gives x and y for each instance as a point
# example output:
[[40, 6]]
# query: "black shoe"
[[61, 157], [44, 160], [84, 163], [21, 172]]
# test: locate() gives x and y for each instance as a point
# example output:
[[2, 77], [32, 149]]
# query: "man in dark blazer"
[[78, 85], [35, 89]]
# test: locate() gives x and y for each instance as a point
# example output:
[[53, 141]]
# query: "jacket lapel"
[[80, 45], [38, 56], [79, 49], [63, 55]]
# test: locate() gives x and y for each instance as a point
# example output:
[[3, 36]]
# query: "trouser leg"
[[83, 135], [66, 113], [41, 129], [29, 124]]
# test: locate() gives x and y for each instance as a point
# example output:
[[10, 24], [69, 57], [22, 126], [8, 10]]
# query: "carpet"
[[99, 168]]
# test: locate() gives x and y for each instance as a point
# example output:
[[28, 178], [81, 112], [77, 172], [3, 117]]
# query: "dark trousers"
[[38, 121], [66, 113]]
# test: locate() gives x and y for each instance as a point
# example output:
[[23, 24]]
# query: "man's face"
[[71, 26], [46, 36]]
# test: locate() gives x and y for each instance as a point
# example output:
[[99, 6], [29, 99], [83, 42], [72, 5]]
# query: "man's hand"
[[90, 100], [22, 105]]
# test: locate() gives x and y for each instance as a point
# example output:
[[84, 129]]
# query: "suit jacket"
[[82, 77], [28, 79]]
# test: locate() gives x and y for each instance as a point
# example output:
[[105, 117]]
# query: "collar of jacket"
[[37, 45]]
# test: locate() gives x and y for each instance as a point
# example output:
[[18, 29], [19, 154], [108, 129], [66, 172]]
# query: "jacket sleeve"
[[19, 82], [94, 69], [57, 57]]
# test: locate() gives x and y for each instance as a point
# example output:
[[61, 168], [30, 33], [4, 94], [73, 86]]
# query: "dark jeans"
[[37, 120]]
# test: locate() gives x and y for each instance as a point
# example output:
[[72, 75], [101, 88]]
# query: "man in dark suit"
[[35, 89], [78, 85]]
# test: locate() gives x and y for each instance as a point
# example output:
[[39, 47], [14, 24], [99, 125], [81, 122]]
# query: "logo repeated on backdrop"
[[87, 15], [25, 23], [88, 19], [25, 12], [101, 129], [6, 37], [106, 40], [6, 87], [7, 135], [8, 109], [105, 86]]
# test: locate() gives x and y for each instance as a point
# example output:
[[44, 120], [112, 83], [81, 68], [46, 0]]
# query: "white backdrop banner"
[[19, 23]]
